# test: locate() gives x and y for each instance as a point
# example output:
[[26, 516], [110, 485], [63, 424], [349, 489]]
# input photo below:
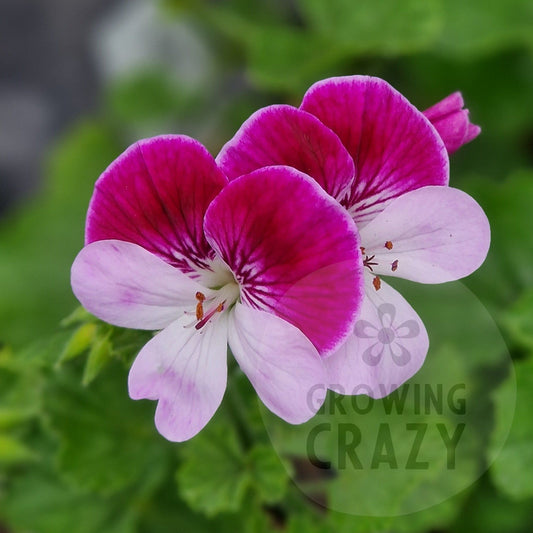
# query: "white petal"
[[186, 370], [127, 286], [282, 364], [437, 234]]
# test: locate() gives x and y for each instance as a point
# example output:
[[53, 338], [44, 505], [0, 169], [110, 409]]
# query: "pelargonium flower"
[[268, 264], [387, 165]]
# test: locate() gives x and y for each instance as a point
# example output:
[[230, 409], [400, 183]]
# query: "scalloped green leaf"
[[213, 476], [107, 441], [268, 473], [40, 501], [217, 473]]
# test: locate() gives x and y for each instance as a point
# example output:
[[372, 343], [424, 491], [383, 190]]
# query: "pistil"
[[369, 263]]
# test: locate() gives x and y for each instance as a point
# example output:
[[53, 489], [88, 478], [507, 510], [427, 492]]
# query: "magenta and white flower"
[[387, 164], [268, 264]]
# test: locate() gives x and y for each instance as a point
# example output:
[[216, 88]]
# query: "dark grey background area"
[[47, 79]]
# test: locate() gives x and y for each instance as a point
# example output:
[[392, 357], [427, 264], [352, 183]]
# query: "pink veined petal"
[[437, 234], [388, 346], [452, 122], [155, 195], [280, 362], [394, 147], [284, 135], [186, 370], [294, 250], [129, 287]]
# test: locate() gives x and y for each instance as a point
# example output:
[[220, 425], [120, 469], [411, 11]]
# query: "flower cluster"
[[277, 249]]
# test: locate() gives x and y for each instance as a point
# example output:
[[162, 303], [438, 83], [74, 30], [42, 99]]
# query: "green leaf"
[[268, 473], [385, 27], [39, 501], [511, 471], [482, 26], [213, 476], [22, 377], [12, 451], [14, 416], [217, 474], [150, 99], [81, 340], [282, 58], [165, 513], [508, 269], [489, 511], [78, 316], [99, 356], [308, 524], [107, 441], [518, 320], [435, 518]]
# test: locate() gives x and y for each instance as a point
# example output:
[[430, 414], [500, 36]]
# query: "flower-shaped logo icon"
[[388, 337]]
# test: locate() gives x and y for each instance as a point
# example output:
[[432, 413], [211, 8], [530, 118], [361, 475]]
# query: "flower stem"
[[234, 408]]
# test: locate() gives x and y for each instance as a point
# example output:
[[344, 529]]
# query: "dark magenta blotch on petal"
[[294, 250], [394, 147], [155, 195]]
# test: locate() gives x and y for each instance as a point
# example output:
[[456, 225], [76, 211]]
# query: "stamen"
[[200, 305], [394, 265], [377, 283], [218, 309], [363, 250], [388, 245], [199, 311]]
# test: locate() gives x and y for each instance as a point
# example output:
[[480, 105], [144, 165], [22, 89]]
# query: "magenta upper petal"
[[452, 122], [284, 135], [394, 147], [388, 346], [155, 195], [435, 234], [294, 250]]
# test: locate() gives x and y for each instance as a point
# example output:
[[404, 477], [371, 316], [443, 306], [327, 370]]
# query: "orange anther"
[[199, 311]]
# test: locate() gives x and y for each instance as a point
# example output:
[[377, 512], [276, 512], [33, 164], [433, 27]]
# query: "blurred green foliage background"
[[77, 455]]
